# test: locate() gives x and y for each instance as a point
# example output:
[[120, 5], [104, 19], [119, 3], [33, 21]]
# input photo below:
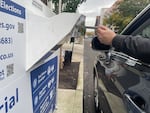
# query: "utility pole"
[[49, 4], [60, 4]]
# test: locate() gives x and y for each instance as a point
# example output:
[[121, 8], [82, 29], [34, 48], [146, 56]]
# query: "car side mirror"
[[96, 45]]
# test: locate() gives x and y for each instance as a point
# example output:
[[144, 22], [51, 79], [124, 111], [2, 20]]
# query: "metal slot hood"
[[45, 33]]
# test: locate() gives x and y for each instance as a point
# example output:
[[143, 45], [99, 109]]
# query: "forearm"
[[134, 46]]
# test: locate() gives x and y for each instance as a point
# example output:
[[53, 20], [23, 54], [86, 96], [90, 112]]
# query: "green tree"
[[125, 12], [56, 5], [71, 6], [67, 5], [131, 7]]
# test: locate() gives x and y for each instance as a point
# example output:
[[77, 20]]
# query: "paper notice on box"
[[12, 41]]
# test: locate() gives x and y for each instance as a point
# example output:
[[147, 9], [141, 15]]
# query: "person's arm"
[[134, 46]]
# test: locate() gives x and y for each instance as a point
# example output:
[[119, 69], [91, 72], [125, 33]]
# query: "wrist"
[[117, 41], [113, 36]]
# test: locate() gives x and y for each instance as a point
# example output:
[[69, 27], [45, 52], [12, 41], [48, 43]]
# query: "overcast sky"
[[92, 8]]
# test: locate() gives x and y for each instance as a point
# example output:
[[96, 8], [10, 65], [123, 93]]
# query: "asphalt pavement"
[[88, 94]]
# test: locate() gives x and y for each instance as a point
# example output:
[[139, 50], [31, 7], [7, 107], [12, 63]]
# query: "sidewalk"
[[69, 100]]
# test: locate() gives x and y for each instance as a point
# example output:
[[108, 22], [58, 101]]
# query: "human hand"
[[105, 35]]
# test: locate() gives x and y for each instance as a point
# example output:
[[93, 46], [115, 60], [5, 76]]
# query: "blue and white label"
[[12, 41], [43, 85], [9, 102], [7, 6]]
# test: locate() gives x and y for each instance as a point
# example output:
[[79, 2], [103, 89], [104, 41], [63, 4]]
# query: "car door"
[[133, 76], [122, 75]]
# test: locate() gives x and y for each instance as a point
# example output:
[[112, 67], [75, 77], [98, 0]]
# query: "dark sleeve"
[[134, 46]]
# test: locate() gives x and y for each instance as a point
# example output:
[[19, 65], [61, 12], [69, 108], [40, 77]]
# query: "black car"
[[122, 83]]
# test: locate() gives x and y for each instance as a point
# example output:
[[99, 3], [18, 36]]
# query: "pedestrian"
[[135, 46]]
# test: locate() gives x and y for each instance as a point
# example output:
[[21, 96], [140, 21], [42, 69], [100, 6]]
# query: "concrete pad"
[[65, 101], [65, 98], [78, 110], [68, 100], [64, 110], [78, 102], [80, 77], [80, 84], [77, 53]]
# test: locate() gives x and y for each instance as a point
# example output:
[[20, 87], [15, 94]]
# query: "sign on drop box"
[[22, 93]]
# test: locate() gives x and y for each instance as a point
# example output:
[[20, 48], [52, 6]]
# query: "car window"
[[143, 30]]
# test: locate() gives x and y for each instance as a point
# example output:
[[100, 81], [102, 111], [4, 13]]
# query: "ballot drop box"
[[22, 90]]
